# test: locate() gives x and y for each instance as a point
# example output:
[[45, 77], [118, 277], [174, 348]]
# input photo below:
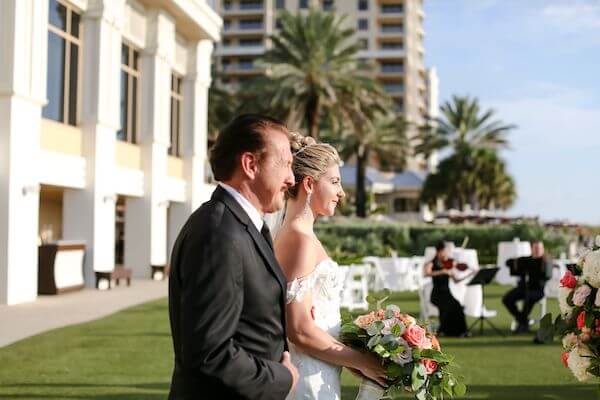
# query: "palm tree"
[[485, 183], [221, 109], [473, 136], [311, 63], [463, 127], [378, 136]]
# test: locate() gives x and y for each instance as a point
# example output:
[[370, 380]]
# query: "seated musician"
[[533, 274], [452, 316]]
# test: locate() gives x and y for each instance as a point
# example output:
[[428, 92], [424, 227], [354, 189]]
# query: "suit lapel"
[[265, 250], [267, 253]]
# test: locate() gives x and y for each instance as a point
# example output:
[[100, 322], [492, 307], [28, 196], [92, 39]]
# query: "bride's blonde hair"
[[310, 159]]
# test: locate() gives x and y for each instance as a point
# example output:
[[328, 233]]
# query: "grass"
[[128, 356]]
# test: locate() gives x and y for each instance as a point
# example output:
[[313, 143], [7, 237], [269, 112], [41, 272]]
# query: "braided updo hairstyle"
[[310, 159]]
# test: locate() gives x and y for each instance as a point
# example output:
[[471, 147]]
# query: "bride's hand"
[[371, 367]]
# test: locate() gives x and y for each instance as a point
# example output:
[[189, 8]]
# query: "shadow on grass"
[[502, 392]]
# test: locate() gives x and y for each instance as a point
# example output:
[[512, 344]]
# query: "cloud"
[[573, 16], [554, 155]]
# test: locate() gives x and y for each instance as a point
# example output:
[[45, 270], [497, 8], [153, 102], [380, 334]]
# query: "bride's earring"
[[306, 211]]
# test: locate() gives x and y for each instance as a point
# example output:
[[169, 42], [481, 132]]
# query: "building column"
[[24, 33], [194, 134], [89, 214], [146, 217]]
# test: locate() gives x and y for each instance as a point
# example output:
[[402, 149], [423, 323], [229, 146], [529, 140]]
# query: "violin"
[[449, 264]]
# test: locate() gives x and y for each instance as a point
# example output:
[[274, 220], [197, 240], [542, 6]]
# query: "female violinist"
[[452, 316]]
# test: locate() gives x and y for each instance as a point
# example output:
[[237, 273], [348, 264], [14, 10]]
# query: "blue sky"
[[537, 63]]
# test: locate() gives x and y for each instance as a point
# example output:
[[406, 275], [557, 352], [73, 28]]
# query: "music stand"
[[483, 277]]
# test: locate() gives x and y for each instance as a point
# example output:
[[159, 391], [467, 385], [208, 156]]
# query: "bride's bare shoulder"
[[296, 252]]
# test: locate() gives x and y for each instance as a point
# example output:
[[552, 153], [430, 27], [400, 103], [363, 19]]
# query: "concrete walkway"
[[50, 312]]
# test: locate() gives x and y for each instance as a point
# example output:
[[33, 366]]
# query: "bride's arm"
[[298, 261]]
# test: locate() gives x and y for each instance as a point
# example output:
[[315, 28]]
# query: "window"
[[364, 43], [176, 103], [251, 5], [130, 78], [246, 64], [392, 67], [392, 28], [64, 54], [303, 4], [278, 24], [391, 45], [406, 205], [363, 24], [280, 4], [227, 5], [398, 105], [391, 8], [227, 24], [250, 42], [363, 5], [327, 5], [249, 24]]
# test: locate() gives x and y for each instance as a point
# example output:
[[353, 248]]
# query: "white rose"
[[388, 324], [597, 240], [565, 308], [569, 341], [579, 362], [591, 268]]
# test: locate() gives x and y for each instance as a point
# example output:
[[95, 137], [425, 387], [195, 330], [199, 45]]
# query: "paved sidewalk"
[[50, 312]]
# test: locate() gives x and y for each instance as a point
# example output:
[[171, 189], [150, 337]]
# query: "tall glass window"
[[64, 57], [130, 78], [176, 106]]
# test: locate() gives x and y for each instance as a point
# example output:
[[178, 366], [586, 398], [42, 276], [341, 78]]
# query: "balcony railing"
[[391, 46], [255, 5], [392, 8], [393, 88], [392, 68], [392, 29]]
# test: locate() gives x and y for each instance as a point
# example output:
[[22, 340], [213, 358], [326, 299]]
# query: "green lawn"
[[128, 356]]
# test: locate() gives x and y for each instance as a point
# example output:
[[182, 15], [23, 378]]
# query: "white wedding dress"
[[318, 380]]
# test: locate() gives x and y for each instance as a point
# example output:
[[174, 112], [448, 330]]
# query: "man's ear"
[[249, 164]]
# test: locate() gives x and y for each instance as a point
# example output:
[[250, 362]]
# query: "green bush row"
[[348, 242]]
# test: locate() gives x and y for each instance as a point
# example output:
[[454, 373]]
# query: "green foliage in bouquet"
[[411, 355]]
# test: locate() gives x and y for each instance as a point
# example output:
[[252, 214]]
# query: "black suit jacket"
[[227, 308]]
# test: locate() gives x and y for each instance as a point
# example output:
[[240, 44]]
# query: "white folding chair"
[[354, 294]]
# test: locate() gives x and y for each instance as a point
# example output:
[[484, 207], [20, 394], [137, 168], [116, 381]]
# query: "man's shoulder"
[[214, 217]]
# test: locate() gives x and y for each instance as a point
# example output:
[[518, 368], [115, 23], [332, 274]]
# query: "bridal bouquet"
[[412, 355], [579, 321]]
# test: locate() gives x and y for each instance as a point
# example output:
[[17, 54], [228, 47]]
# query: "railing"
[[392, 8], [392, 68], [392, 28]]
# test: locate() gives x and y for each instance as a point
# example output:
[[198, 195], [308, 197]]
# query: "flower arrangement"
[[579, 321], [411, 354]]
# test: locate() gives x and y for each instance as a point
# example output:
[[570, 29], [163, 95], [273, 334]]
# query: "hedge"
[[350, 241]]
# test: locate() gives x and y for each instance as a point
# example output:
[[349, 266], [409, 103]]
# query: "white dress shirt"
[[252, 212]]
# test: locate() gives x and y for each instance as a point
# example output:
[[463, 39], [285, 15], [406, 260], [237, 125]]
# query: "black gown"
[[452, 316]]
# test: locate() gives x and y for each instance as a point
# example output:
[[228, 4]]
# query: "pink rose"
[[597, 299], [364, 321], [568, 280], [581, 293], [565, 359], [430, 365], [416, 336]]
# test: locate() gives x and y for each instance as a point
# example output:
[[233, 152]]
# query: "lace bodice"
[[325, 283], [318, 380]]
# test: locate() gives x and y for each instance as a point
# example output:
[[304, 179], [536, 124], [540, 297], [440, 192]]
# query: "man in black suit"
[[226, 290], [533, 272]]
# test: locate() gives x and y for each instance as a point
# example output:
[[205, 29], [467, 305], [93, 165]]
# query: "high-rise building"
[[390, 31]]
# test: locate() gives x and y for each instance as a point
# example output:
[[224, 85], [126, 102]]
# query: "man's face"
[[537, 250], [274, 176]]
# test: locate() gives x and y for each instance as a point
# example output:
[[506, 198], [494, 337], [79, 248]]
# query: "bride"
[[315, 282]]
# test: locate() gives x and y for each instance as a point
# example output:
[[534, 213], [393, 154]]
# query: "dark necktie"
[[267, 234]]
